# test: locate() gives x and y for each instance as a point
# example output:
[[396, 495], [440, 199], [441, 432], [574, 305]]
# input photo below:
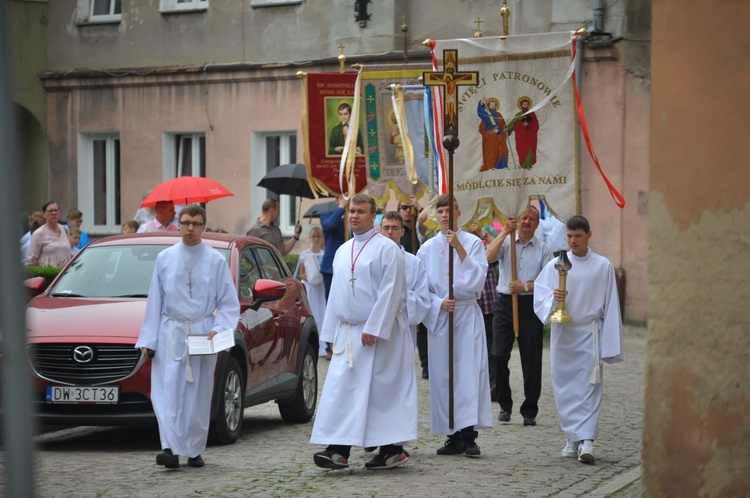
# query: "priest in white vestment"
[[578, 348], [471, 386], [370, 395], [191, 292], [417, 297]]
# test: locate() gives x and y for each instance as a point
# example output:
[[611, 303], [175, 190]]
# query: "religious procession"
[[438, 219]]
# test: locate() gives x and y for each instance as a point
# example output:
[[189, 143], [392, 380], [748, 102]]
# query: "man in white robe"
[[191, 292], [417, 297], [471, 386], [370, 396], [578, 348]]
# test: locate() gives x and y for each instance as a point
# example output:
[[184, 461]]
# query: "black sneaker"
[[370, 449], [330, 460], [471, 449], [453, 446], [196, 462], [387, 461], [529, 420], [504, 416], [168, 459]]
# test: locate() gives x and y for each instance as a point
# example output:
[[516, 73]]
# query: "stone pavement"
[[275, 459]]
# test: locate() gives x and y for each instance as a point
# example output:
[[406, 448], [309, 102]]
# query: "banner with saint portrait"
[[384, 142], [517, 124], [327, 121]]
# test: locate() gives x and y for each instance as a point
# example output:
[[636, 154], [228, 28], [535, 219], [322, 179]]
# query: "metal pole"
[[16, 385], [451, 143]]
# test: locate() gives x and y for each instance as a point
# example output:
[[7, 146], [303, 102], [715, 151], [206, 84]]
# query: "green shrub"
[[291, 261], [47, 272]]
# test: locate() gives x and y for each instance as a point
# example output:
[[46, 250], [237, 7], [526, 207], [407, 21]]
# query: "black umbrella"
[[317, 209], [288, 179]]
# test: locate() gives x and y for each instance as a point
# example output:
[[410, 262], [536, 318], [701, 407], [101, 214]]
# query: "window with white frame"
[[95, 11], [167, 6], [99, 182], [184, 155], [268, 151]]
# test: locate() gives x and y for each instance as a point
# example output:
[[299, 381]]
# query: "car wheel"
[[302, 407], [227, 426]]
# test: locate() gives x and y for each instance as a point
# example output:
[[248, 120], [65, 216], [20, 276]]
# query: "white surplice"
[[577, 349], [370, 393], [417, 298], [316, 289], [183, 407], [471, 386]]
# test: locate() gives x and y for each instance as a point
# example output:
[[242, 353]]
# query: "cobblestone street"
[[275, 459]]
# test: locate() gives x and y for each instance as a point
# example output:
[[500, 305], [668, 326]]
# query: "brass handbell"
[[563, 266]]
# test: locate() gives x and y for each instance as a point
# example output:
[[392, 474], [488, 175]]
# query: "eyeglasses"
[[196, 224], [404, 208], [53, 210]]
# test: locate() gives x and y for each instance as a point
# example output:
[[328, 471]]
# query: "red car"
[[82, 329]]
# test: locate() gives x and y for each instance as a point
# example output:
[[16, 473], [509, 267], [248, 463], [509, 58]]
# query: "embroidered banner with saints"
[[326, 123], [517, 124]]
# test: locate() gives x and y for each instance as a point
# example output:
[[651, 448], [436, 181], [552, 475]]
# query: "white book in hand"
[[199, 344]]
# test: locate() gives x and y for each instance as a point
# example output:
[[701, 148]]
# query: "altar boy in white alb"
[[471, 383], [577, 349], [191, 293], [370, 395]]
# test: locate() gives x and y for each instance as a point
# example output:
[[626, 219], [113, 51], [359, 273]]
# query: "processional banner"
[[517, 125], [327, 119], [387, 147]]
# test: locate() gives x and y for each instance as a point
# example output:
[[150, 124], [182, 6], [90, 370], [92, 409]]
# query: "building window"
[[272, 3], [184, 155], [271, 150], [99, 182], [168, 6], [99, 11]]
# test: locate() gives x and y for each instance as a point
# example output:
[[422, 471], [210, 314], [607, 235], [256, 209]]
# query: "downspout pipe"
[[598, 15]]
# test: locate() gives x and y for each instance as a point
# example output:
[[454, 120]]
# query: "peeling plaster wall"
[[697, 417]]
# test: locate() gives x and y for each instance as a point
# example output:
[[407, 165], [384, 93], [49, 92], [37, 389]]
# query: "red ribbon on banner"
[[618, 198]]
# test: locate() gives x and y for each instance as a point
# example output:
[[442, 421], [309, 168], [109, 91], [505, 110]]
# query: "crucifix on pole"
[[450, 79]]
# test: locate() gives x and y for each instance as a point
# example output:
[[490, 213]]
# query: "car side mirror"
[[265, 291], [35, 285]]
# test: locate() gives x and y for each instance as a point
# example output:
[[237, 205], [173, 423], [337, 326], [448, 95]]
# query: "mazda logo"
[[83, 354]]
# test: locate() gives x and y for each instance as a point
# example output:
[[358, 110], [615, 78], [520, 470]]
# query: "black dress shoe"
[[196, 462], [425, 373], [168, 459], [504, 416], [529, 420]]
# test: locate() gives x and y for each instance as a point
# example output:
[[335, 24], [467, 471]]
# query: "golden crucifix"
[[450, 78], [479, 33]]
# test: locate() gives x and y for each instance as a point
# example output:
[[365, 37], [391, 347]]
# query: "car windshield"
[[111, 271]]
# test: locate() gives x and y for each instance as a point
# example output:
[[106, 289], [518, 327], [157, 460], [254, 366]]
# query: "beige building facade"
[[696, 433], [208, 87]]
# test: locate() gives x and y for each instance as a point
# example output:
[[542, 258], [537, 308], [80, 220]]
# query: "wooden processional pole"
[[449, 79]]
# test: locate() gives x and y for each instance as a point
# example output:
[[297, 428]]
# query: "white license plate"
[[82, 395]]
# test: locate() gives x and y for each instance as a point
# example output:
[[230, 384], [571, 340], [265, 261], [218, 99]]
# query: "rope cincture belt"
[[186, 323], [596, 375], [466, 302], [348, 347]]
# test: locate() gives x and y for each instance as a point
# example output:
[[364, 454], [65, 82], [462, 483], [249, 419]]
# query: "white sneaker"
[[570, 450], [586, 452]]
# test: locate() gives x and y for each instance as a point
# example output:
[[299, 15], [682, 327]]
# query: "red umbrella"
[[186, 190]]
